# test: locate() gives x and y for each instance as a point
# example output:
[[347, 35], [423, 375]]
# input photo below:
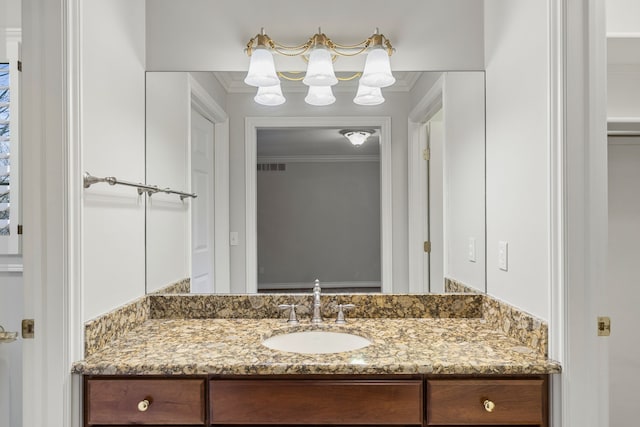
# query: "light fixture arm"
[[319, 39], [380, 40], [285, 76], [260, 39]]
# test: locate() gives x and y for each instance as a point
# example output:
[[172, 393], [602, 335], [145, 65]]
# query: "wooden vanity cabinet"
[[144, 400], [487, 401], [323, 401], [412, 400]]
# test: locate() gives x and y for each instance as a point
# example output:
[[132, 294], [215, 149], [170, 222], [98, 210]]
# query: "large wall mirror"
[[285, 198]]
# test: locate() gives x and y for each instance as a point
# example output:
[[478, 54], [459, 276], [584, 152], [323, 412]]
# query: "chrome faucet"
[[317, 315]]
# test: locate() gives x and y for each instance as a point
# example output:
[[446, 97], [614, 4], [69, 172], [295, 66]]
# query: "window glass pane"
[[5, 149]]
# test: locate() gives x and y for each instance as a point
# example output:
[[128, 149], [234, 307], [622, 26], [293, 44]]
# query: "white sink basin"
[[316, 342]]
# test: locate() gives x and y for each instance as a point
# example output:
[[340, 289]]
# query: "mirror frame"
[[251, 138]]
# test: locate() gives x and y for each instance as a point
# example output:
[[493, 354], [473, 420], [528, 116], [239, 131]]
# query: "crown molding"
[[233, 82], [311, 158]]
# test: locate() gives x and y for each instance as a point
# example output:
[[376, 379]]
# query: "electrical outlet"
[[471, 249], [503, 255]]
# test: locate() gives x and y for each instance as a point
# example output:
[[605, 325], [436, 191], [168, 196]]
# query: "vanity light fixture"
[[270, 95], [319, 52], [368, 95], [319, 96], [356, 137]]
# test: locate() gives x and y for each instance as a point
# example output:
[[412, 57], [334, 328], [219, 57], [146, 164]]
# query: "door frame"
[[204, 103], [417, 188], [251, 135], [577, 234], [52, 255]]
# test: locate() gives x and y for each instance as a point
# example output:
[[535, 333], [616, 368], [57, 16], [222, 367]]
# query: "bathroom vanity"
[[324, 400], [415, 372]]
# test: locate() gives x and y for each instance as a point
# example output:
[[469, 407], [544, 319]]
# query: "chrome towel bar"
[[89, 180]]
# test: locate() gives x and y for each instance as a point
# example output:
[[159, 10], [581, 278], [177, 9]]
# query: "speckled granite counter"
[[233, 346]]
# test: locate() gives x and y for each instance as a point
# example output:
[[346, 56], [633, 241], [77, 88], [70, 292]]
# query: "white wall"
[[623, 89], [464, 176], [211, 36], [623, 272], [622, 16], [10, 18], [113, 141], [319, 220], [241, 105], [517, 66]]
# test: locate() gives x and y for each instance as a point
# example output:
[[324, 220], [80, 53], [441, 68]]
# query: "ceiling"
[[319, 141]]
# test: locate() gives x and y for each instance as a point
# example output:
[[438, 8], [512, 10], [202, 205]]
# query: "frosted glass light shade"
[[368, 95], [319, 96], [357, 138], [377, 69], [270, 95], [262, 70], [320, 68]]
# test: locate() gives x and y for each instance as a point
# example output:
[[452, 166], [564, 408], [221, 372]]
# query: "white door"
[[202, 173], [11, 281]]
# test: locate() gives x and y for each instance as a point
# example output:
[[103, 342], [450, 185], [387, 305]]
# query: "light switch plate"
[[503, 255], [471, 249]]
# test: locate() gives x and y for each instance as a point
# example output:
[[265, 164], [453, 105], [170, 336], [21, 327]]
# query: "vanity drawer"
[[171, 401], [462, 402], [332, 402]]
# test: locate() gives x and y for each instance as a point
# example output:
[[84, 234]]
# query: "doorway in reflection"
[[318, 210]]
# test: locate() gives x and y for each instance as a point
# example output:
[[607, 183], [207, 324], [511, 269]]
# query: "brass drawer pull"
[[143, 405], [489, 406]]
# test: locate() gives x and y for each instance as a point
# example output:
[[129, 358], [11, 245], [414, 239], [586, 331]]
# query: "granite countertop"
[[233, 347]]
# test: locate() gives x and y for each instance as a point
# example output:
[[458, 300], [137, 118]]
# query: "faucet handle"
[[340, 320], [293, 318]]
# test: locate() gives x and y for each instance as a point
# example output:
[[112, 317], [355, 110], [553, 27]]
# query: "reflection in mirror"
[[438, 202], [318, 210]]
